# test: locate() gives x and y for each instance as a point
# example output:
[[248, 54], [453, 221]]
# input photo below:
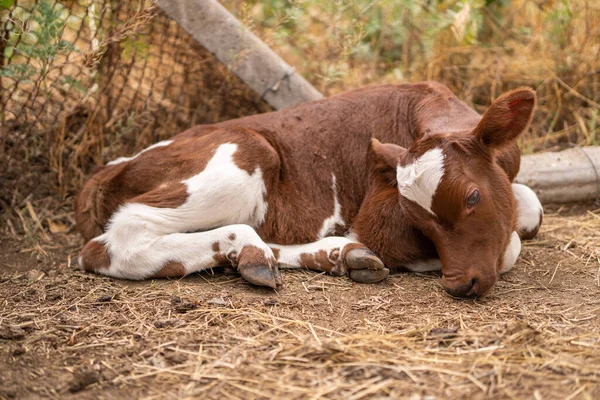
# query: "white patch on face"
[[512, 253], [141, 238], [155, 145], [419, 181], [289, 256], [529, 208], [430, 264], [336, 219]]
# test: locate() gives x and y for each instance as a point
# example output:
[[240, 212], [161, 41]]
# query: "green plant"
[[36, 48]]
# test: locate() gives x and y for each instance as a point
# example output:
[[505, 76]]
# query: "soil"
[[67, 333]]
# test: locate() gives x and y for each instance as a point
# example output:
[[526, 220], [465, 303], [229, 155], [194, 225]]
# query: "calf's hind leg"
[[530, 211], [145, 256], [150, 235]]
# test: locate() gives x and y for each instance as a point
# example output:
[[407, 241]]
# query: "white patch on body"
[[529, 208], [224, 194], [419, 181], [155, 145], [141, 238], [289, 256], [336, 219], [430, 264], [512, 253]]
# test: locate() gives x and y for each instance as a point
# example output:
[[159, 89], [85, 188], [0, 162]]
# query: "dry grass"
[[214, 336], [480, 49]]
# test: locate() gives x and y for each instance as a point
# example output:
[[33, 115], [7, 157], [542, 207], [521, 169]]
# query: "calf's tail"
[[93, 205]]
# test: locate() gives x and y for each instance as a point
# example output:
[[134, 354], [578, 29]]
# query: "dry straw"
[[214, 336]]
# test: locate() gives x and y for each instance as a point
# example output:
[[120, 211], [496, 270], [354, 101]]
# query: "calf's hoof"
[[369, 275], [257, 267], [262, 275], [364, 266]]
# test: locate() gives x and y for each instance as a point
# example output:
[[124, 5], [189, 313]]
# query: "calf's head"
[[447, 195]]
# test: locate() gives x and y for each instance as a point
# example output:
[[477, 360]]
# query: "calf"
[[398, 175]]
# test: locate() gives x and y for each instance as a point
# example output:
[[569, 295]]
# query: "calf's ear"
[[384, 158], [506, 118]]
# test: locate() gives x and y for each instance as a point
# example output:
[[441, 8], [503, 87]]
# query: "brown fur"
[[172, 269], [95, 257], [276, 253], [252, 255], [221, 259], [317, 262]]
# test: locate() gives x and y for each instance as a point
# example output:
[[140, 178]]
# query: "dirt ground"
[[66, 333]]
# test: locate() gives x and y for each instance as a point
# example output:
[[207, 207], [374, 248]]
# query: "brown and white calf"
[[405, 176]]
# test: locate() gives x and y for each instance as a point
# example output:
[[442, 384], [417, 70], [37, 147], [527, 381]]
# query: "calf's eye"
[[473, 198]]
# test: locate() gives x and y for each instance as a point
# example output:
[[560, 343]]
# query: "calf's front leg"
[[335, 255]]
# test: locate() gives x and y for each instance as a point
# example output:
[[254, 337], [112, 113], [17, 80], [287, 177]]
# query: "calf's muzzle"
[[469, 287]]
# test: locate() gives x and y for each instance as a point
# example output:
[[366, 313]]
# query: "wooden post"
[[562, 177], [217, 30]]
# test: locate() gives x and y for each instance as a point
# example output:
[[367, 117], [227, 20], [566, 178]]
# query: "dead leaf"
[[57, 227]]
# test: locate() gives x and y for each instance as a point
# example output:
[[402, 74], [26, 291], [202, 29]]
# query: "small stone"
[[185, 307], [163, 324], [175, 299], [18, 351], [82, 378], [105, 298], [218, 302], [175, 357], [34, 275], [443, 332], [11, 332]]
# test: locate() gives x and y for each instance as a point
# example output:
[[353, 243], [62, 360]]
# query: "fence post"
[[564, 176], [217, 30]]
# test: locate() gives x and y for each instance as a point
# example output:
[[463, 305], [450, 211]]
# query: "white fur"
[[224, 194], [430, 264], [336, 219], [289, 256], [141, 239], [512, 253], [419, 181], [155, 145], [529, 208]]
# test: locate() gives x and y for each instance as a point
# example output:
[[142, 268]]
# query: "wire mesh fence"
[[85, 80]]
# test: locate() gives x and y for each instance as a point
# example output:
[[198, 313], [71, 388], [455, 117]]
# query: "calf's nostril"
[[464, 291], [473, 283]]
